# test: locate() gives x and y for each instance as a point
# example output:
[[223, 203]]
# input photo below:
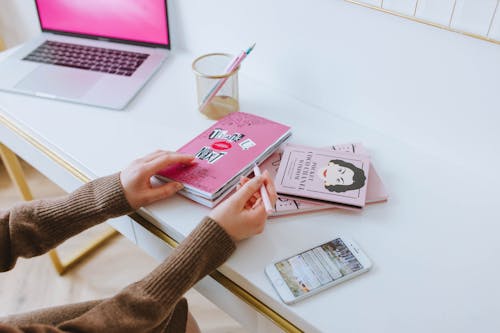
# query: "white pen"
[[263, 191]]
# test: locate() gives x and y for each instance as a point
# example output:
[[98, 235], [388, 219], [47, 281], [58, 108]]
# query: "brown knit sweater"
[[154, 304]]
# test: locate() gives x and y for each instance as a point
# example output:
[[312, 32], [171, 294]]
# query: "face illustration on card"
[[341, 176]]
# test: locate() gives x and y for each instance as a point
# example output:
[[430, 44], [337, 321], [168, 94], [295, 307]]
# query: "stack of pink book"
[[310, 179], [306, 178], [225, 151]]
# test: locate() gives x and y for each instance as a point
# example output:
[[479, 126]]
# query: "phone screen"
[[318, 266]]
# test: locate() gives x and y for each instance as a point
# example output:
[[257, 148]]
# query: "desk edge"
[[223, 280]]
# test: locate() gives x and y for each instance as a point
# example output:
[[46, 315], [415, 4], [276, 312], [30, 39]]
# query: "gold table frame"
[[223, 280]]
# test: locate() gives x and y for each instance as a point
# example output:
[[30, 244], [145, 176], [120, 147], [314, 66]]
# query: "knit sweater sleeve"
[[148, 305], [144, 305], [32, 228]]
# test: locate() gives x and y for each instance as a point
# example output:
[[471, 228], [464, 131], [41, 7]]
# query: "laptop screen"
[[143, 22]]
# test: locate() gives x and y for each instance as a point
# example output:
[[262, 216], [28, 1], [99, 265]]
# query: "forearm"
[[148, 303], [32, 228]]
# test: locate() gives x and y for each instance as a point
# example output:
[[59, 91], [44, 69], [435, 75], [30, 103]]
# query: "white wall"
[[413, 81], [430, 87], [18, 21]]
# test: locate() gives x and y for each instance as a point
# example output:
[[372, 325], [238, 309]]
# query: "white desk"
[[434, 244]]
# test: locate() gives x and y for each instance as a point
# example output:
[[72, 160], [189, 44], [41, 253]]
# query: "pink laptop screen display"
[[141, 21]]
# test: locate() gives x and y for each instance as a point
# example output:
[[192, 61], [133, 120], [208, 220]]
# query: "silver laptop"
[[92, 52]]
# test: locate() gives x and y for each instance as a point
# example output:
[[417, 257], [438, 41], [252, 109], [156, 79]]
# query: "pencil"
[[263, 192], [233, 65]]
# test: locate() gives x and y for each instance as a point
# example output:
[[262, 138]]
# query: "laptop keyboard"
[[87, 57]]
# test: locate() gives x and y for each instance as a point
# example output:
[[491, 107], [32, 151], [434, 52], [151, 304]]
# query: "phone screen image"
[[317, 267]]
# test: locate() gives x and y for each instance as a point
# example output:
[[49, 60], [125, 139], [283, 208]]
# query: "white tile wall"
[[437, 11], [495, 25], [406, 7], [478, 17], [473, 15]]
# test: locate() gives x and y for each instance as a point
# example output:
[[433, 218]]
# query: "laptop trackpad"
[[59, 81]]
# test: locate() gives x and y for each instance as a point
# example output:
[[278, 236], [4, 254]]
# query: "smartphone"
[[316, 269]]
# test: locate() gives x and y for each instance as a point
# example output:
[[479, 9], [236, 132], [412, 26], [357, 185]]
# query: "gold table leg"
[[64, 267], [16, 173]]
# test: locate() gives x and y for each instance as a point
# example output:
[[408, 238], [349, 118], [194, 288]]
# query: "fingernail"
[[179, 186]]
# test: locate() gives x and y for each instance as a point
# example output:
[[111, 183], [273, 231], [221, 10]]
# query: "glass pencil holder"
[[216, 85]]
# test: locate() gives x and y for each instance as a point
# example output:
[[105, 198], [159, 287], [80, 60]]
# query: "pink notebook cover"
[[322, 175], [375, 192], [226, 150]]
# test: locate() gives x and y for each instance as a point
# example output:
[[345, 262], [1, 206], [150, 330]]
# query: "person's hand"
[[243, 214], [136, 177]]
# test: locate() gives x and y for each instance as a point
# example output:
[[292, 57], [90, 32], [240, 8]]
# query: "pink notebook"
[[375, 192], [323, 176], [224, 152]]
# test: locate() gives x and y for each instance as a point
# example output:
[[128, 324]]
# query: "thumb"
[[165, 191], [248, 190]]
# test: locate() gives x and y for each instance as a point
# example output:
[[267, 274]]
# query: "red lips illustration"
[[221, 145]]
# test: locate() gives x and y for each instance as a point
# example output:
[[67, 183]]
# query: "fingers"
[[163, 160], [251, 202], [243, 181], [257, 202], [248, 190], [258, 216], [164, 191], [268, 183], [271, 190]]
